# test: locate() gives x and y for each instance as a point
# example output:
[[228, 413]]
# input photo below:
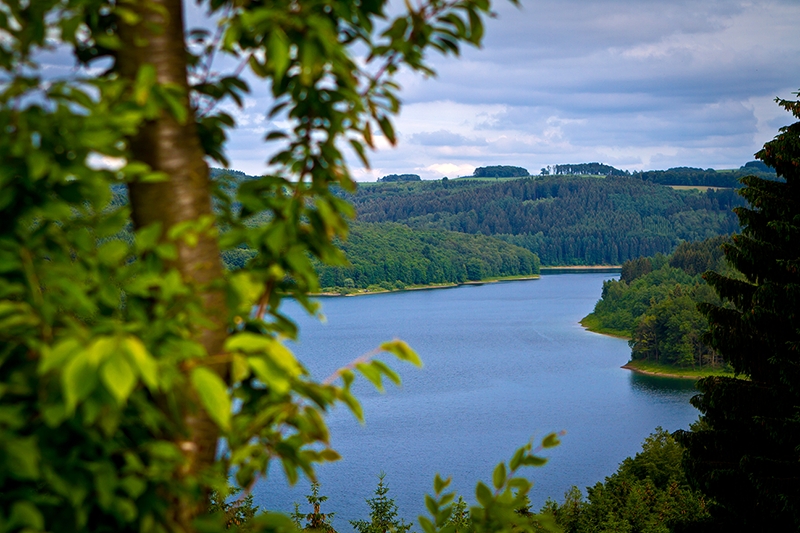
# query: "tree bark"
[[175, 149]]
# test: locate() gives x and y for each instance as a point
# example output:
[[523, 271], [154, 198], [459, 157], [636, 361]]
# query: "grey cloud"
[[444, 138]]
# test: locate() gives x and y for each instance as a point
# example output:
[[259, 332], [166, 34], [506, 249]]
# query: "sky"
[[637, 84]]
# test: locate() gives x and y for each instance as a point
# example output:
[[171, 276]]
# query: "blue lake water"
[[504, 362]]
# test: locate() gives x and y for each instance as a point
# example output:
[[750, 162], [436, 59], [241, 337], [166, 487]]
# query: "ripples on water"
[[503, 362]]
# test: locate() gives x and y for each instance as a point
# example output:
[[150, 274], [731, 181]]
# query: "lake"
[[504, 362]]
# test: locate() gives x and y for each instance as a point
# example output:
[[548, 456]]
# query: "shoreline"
[[584, 267], [584, 323], [629, 366], [364, 292], [667, 372]]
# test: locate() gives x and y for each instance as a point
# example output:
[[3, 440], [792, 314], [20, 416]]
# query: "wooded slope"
[[565, 220]]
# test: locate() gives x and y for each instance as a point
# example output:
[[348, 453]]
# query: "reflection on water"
[[655, 385]]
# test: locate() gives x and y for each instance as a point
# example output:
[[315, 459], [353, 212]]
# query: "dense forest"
[[391, 256], [654, 303], [564, 220], [648, 493], [698, 177]]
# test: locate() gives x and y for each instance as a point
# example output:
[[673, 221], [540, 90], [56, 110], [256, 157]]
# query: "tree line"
[[500, 171], [595, 169], [706, 178]]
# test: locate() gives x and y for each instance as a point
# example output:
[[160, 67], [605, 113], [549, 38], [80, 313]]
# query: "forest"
[[565, 220], [654, 304], [392, 256], [698, 177]]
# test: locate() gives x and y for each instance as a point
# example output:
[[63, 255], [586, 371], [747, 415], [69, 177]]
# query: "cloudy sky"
[[638, 84]]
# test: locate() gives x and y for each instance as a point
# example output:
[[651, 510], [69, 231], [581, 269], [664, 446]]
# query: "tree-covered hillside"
[[391, 256], [708, 177], [654, 303], [565, 220]]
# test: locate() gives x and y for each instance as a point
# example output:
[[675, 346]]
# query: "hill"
[[565, 220], [391, 256], [654, 303], [708, 177]]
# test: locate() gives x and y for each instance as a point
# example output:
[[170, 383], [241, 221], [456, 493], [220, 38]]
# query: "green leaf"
[[112, 253], [78, 380], [213, 395], [145, 79], [522, 485], [516, 459], [268, 375], [533, 460], [499, 475], [26, 516], [387, 129], [119, 377], [403, 352], [329, 455], [143, 361], [278, 50], [432, 505], [371, 373], [550, 441], [484, 495], [147, 238], [22, 458], [427, 525], [440, 484]]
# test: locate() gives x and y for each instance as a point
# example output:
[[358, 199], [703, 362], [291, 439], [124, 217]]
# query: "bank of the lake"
[[342, 291], [591, 323], [667, 371], [504, 362]]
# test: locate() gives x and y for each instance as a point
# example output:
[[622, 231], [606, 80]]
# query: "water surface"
[[504, 362]]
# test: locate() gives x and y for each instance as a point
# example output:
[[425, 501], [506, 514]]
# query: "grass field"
[[701, 188]]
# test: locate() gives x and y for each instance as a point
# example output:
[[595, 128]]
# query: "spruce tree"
[[745, 451], [383, 513]]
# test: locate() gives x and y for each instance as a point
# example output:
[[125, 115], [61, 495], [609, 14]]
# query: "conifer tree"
[[383, 513], [316, 521], [744, 451]]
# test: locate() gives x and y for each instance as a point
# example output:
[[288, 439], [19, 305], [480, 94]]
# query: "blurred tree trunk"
[[174, 148]]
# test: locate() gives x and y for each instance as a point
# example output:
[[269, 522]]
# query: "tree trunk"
[[174, 148]]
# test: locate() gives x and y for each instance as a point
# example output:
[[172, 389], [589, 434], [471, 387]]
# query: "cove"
[[504, 362]]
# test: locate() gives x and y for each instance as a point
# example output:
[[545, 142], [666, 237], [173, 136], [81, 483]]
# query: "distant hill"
[[565, 220], [706, 178]]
